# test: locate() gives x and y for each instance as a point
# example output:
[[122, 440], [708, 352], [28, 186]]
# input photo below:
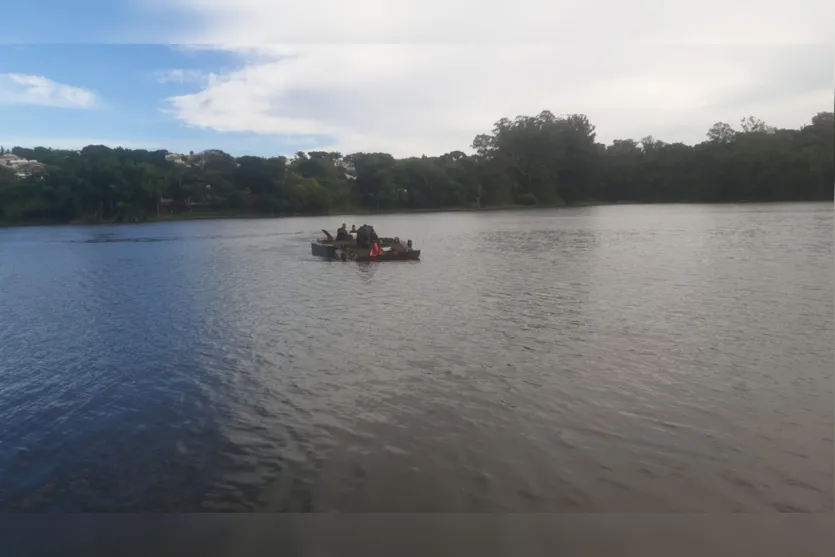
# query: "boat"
[[347, 250]]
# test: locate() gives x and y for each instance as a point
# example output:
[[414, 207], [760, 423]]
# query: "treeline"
[[539, 160]]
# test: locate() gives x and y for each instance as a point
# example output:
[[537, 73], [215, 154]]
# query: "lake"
[[663, 358]]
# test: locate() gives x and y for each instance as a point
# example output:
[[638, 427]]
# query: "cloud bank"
[[22, 89], [429, 75], [430, 99]]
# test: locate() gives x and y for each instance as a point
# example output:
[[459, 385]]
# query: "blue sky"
[[97, 21], [410, 77], [130, 89]]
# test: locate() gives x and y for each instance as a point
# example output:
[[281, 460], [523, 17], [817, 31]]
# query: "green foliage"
[[530, 160]]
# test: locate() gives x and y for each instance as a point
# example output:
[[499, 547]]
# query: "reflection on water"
[[661, 358]]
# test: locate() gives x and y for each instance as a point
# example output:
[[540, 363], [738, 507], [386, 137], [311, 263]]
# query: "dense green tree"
[[529, 160]]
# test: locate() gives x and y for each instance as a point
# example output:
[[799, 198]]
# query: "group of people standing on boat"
[[365, 235]]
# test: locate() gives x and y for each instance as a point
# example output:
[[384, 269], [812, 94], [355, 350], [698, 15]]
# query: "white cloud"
[[638, 68], [430, 99], [18, 88]]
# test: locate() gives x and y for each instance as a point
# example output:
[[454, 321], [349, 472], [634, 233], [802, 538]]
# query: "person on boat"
[[342, 233], [399, 246], [372, 235], [353, 232], [362, 236]]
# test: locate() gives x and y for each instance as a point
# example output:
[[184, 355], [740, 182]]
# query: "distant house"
[[348, 167], [175, 158], [22, 168]]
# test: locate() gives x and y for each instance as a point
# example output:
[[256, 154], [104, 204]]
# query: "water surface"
[[639, 358]]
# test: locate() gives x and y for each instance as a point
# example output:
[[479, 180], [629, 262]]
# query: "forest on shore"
[[530, 160]]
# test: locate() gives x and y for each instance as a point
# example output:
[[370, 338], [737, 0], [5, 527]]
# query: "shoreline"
[[184, 217]]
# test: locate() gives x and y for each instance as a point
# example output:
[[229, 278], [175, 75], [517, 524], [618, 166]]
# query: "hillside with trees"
[[530, 160]]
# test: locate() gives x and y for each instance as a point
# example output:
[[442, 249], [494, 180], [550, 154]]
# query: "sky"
[[408, 77]]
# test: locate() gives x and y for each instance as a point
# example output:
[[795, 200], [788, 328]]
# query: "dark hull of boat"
[[323, 250], [347, 251], [411, 255]]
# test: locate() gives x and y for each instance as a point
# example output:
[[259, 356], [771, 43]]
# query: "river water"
[[619, 359]]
